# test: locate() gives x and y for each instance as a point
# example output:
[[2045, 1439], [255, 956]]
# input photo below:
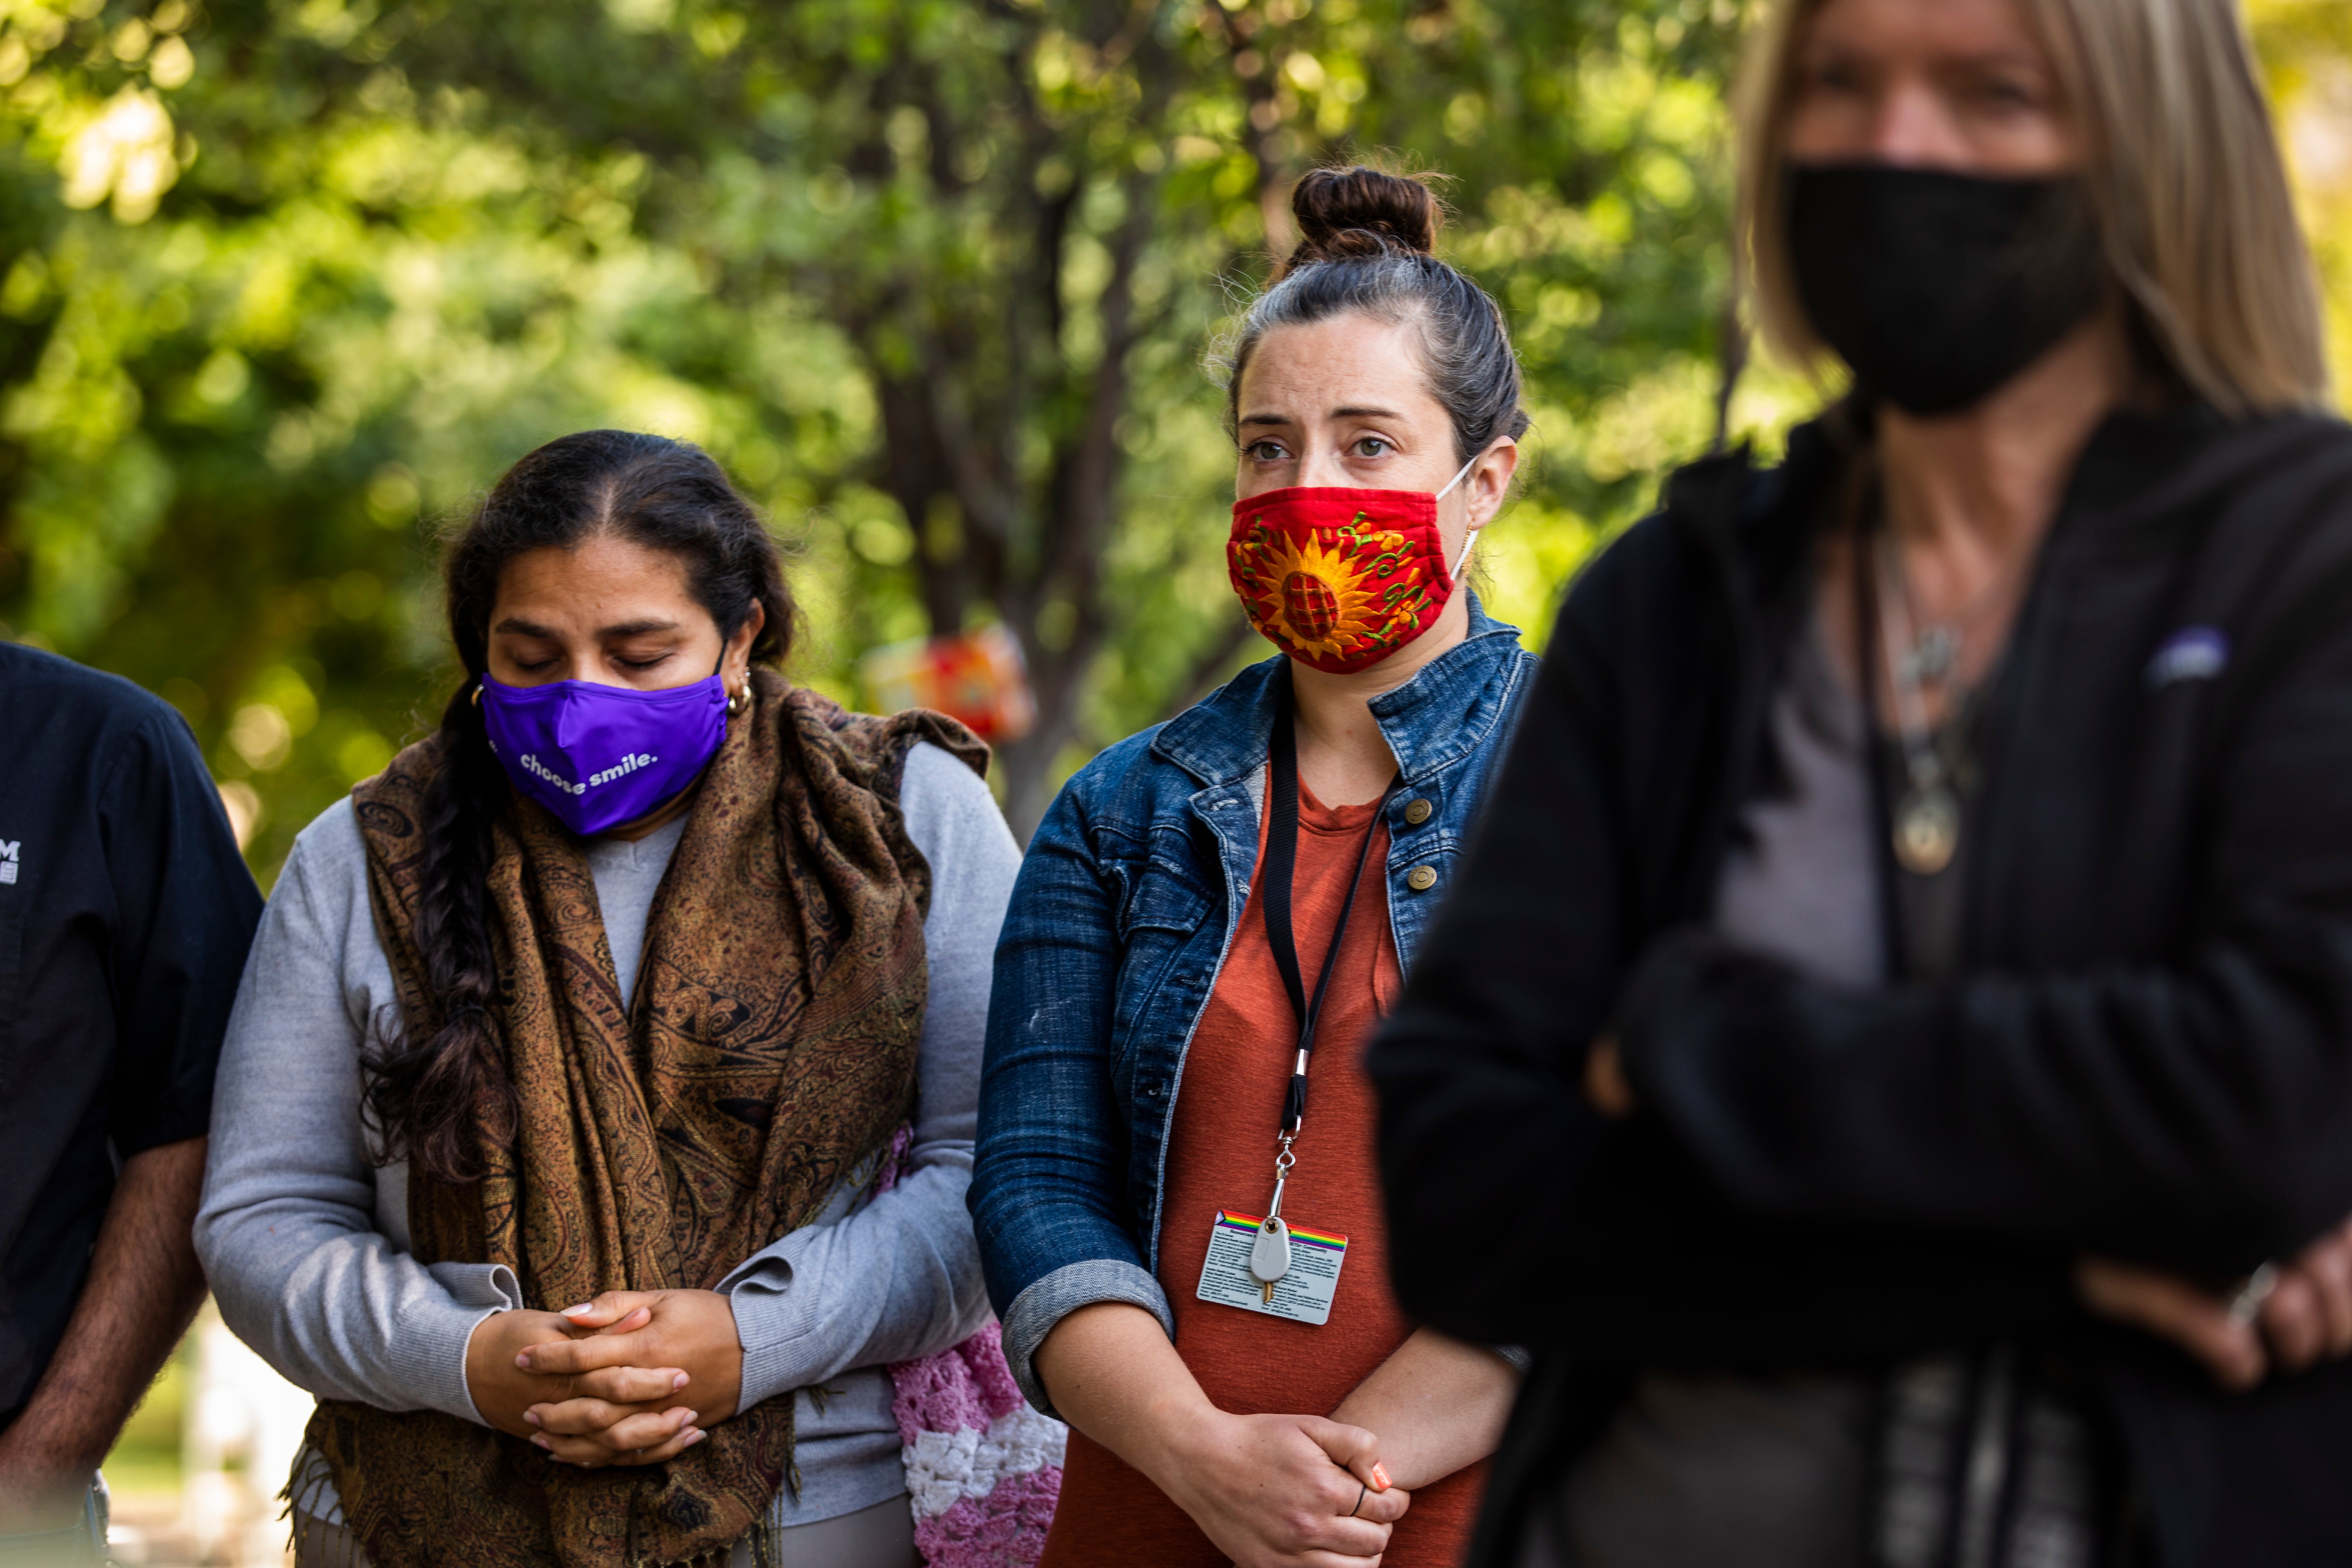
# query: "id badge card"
[[1303, 1294]]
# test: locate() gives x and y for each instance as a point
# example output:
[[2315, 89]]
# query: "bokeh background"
[[284, 284]]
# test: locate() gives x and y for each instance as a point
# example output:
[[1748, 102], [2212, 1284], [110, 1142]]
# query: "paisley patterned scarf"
[[661, 1140]]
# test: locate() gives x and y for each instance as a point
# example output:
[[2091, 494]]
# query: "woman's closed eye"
[[533, 661], [1996, 92], [1834, 78], [635, 664]]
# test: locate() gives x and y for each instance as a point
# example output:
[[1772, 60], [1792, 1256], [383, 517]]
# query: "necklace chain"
[[1927, 818], [1936, 647]]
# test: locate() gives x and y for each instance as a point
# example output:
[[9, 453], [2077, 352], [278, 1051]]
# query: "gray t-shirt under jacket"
[[1814, 1471]]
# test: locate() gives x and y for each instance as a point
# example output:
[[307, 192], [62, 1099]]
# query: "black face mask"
[[1937, 286]]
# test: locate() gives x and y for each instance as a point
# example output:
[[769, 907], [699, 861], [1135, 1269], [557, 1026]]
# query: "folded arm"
[[287, 1229], [1048, 1193], [1437, 1405], [2199, 1116], [1519, 1214], [1832, 1162]]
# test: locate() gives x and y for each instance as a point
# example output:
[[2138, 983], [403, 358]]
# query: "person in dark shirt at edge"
[[125, 912], [1896, 1023]]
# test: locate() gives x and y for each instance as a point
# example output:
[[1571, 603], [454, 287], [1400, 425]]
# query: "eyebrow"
[[2014, 56], [1348, 412], [521, 627]]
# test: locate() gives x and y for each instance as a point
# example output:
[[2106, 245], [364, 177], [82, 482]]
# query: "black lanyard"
[[1281, 864]]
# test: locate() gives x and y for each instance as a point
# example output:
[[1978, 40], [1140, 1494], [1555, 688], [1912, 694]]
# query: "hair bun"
[[1361, 211]]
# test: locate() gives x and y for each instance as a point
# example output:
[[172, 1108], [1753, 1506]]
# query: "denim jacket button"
[[1421, 878], [1418, 812]]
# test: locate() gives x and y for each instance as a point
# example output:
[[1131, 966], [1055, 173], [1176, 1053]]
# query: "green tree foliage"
[[289, 281], [2306, 52]]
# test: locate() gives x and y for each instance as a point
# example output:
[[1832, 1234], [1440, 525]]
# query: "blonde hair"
[[2184, 175]]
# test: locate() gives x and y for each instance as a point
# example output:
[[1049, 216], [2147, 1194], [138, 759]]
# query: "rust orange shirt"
[[1220, 1156]]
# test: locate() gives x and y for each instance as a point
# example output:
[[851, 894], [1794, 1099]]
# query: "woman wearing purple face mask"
[[603, 1082]]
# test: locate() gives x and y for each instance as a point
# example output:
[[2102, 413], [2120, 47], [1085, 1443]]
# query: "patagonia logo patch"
[[2192, 653]]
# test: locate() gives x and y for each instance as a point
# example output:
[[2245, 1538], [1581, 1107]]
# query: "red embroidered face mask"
[[1342, 578]]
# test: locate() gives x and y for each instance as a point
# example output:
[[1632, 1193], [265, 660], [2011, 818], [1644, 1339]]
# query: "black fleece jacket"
[[2149, 1053]]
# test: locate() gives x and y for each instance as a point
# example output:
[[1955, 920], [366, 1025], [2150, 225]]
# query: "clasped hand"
[[2305, 1319], [1282, 1491], [634, 1377]]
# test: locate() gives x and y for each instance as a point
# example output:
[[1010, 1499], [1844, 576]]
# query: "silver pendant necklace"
[[1928, 816]]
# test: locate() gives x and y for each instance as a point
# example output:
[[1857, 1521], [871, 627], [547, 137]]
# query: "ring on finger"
[[2247, 1303], [1359, 1498]]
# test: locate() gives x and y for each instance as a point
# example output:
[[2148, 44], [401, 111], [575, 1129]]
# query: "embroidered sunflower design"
[[1324, 597]]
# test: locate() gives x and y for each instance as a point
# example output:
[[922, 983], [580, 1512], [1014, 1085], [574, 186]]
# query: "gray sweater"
[[304, 1239]]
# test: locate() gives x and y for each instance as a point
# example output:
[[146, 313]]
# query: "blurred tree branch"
[[285, 283]]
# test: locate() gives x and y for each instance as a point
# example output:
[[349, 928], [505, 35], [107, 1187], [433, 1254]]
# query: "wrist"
[[38, 1493], [58, 1435], [38, 1473], [1178, 1432], [478, 1342], [495, 1388]]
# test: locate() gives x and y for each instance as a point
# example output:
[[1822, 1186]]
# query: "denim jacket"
[[1121, 921]]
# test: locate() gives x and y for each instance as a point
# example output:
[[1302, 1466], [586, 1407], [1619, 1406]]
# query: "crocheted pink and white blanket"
[[984, 1470]]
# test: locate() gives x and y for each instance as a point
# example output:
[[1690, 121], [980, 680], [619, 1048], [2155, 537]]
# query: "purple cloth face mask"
[[598, 756]]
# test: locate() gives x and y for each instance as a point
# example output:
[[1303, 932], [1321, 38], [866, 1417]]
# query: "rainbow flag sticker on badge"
[[1303, 1295]]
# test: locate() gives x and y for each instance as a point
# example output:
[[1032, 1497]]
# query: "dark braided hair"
[[1365, 243], [423, 1095]]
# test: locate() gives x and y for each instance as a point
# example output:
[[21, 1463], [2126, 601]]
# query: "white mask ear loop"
[[1470, 539]]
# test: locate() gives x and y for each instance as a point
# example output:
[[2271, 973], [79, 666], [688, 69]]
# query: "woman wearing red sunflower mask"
[[1197, 1281]]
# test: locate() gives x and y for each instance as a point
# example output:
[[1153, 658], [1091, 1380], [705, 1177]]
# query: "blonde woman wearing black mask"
[[1893, 1055]]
